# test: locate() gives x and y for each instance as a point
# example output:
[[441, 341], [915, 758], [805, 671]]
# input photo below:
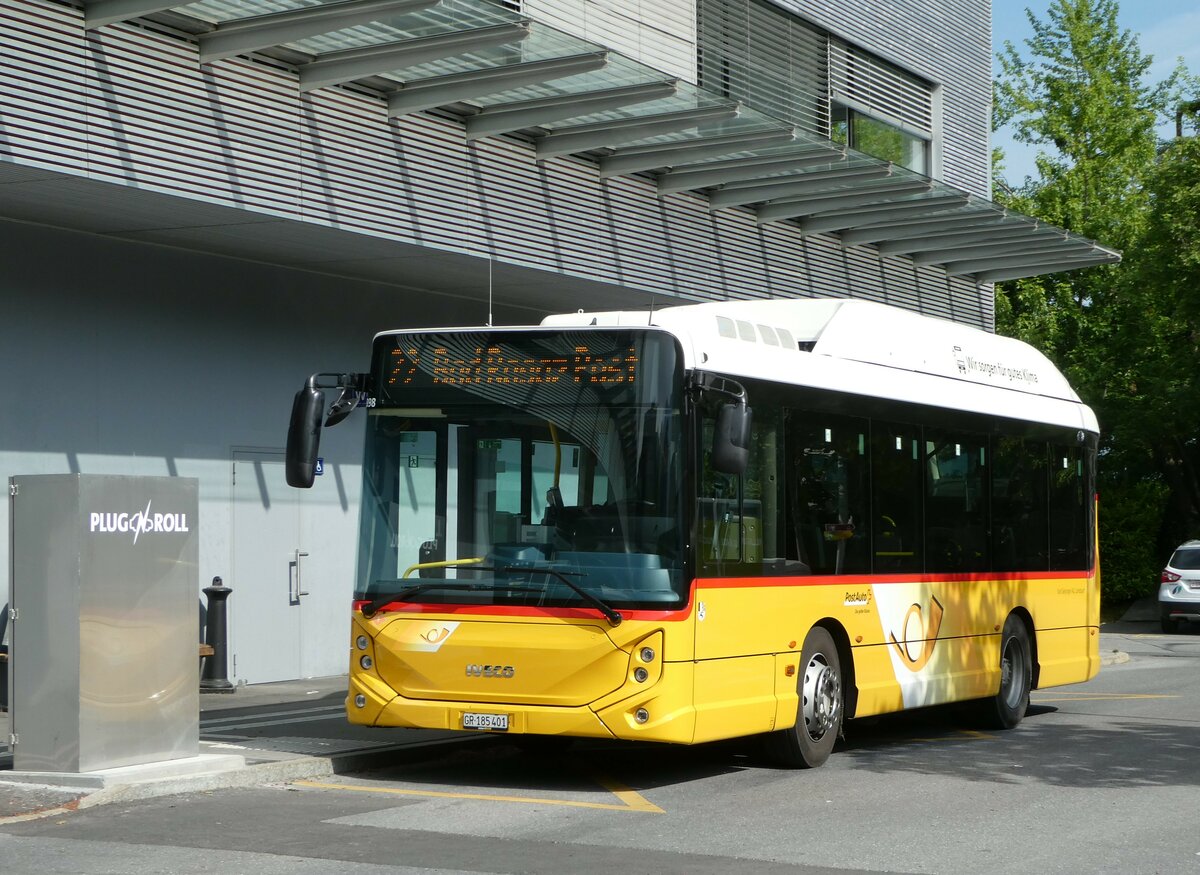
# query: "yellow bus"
[[750, 518]]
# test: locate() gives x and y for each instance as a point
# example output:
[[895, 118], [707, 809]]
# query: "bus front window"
[[502, 462]]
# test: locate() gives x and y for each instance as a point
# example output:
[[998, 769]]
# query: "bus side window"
[[896, 487], [956, 501], [828, 478], [1019, 505], [720, 506], [1070, 509], [739, 516]]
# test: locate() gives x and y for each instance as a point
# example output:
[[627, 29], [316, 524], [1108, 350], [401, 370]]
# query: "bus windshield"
[[524, 467]]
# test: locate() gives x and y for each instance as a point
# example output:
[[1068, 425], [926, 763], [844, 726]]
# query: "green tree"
[[1079, 94], [1080, 97], [1165, 266]]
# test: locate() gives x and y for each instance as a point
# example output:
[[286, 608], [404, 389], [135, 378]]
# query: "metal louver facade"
[[756, 52], [128, 104]]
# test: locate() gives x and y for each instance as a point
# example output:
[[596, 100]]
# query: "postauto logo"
[[139, 523]]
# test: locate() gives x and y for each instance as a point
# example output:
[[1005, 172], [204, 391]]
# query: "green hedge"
[[1130, 519]]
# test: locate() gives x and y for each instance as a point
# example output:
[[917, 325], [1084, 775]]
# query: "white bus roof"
[[866, 349]]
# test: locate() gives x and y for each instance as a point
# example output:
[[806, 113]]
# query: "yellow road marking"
[[631, 800]]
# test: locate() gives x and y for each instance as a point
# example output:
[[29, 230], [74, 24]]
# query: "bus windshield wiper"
[[614, 618], [372, 607], [402, 595]]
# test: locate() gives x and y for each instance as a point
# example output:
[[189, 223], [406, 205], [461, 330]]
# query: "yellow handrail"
[[446, 564]]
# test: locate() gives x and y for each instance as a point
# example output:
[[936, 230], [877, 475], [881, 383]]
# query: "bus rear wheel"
[[1007, 708], [819, 714]]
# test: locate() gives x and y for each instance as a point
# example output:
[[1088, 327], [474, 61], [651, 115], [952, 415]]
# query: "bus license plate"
[[473, 720]]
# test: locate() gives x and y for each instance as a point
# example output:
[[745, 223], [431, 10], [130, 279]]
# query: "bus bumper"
[[662, 711]]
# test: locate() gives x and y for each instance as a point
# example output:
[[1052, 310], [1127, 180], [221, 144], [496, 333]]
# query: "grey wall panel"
[[131, 105]]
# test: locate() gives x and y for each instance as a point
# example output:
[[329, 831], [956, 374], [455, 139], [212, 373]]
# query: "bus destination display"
[[495, 365]]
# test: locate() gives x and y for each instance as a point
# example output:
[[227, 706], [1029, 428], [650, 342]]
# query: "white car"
[[1179, 591]]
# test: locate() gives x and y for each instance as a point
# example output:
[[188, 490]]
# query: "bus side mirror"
[[731, 439], [304, 437]]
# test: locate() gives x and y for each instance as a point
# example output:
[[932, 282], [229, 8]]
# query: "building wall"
[[126, 358], [133, 106], [949, 43], [141, 359]]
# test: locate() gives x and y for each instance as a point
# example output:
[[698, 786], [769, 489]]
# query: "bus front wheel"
[[819, 714], [1006, 709]]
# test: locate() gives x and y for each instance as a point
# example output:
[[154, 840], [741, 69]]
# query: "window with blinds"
[[759, 54], [755, 53]]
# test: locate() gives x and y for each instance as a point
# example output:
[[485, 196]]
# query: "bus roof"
[[863, 348]]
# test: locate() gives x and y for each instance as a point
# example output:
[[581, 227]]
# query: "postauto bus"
[[715, 520]]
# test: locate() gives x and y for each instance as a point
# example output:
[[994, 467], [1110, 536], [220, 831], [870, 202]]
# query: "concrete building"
[[202, 204]]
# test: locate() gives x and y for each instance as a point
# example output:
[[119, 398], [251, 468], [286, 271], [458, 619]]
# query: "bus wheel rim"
[[822, 696], [1012, 668]]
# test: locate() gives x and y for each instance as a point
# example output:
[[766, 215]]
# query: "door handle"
[[300, 590]]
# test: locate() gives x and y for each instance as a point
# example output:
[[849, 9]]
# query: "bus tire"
[[1007, 708], [809, 742]]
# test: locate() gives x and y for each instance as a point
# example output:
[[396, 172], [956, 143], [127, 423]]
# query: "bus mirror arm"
[[304, 429]]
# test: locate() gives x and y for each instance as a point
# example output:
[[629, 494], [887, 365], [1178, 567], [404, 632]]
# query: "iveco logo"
[[475, 670]]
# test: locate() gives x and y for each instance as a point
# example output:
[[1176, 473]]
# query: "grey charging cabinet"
[[103, 644]]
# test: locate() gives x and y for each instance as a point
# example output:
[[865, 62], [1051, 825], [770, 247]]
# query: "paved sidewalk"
[[283, 732]]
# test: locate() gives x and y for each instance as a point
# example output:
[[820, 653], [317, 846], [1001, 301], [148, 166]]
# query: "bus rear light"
[[1169, 576]]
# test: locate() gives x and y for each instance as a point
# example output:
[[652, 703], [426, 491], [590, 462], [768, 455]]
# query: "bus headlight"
[[639, 674], [365, 661], [361, 642], [647, 654]]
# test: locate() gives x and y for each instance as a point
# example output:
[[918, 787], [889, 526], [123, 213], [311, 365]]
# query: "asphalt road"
[[1100, 777]]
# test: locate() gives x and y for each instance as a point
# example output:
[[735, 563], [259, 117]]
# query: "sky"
[[1166, 29]]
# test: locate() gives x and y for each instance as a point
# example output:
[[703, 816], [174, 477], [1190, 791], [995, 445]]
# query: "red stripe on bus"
[[884, 579], [528, 611], [702, 583]]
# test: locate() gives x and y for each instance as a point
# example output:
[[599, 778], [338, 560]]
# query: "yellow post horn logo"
[[435, 636], [921, 633]]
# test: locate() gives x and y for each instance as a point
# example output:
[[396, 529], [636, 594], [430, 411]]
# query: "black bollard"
[[215, 677]]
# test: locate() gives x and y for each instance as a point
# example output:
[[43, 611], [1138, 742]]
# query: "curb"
[[299, 768]]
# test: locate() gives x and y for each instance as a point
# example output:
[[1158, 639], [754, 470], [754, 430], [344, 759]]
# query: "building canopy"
[[501, 73]]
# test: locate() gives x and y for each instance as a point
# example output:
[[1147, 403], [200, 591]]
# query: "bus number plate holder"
[[491, 722]]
